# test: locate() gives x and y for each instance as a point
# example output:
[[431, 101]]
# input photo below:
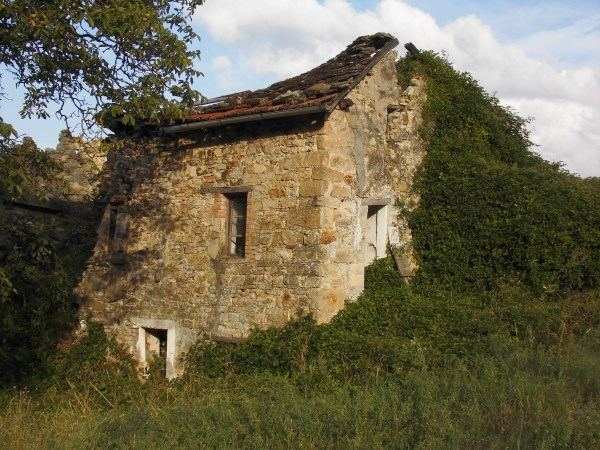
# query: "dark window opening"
[[376, 233], [238, 205], [113, 221], [373, 209]]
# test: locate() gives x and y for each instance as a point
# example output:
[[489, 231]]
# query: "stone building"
[[81, 162], [259, 207]]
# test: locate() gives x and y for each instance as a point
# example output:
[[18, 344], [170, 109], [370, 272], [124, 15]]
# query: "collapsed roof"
[[318, 90]]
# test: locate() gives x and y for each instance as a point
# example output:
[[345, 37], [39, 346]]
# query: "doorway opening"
[[155, 348], [376, 233]]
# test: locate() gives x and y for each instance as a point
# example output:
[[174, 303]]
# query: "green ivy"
[[492, 211]]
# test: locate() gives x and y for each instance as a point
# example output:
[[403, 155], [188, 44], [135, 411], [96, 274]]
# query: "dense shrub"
[[41, 267], [392, 328], [41, 258], [491, 210], [27, 172]]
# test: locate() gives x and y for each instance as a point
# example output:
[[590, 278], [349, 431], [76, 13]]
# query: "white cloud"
[[279, 38], [222, 63], [567, 45], [284, 37], [566, 131], [222, 68]]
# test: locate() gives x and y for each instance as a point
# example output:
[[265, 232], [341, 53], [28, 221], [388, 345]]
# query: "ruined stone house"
[[259, 207]]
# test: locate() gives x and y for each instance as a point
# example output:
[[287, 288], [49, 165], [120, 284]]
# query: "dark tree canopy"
[[99, 59]]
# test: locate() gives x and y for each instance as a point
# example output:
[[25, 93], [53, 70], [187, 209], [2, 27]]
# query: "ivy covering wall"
[[492, 211]]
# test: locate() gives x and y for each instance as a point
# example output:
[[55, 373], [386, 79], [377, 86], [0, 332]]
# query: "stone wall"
[[176, 266], [82, 163], [371, 151], [407, 151], [309, 182]]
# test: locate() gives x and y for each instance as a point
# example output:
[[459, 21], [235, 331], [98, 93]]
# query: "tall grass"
[[526, 397], [397, 369]]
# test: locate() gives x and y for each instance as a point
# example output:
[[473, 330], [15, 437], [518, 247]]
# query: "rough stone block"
[[340, 191], [327, 237], [313, 188]]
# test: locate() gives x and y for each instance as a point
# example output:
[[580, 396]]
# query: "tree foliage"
[[126, 58], [27, 172], [41, 258]]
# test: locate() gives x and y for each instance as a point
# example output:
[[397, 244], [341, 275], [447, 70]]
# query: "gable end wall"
[[371, 152]]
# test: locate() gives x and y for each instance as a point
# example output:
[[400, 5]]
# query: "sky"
[[541, 58]]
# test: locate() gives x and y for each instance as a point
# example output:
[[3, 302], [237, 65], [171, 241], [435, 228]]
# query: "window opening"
[[238, 205], [113, 221], [117, 231], [376, 233]]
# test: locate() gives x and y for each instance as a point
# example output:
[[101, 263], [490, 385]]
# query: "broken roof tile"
[[323, 86]]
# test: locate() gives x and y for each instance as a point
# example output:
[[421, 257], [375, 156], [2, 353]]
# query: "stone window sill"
[[233, 259]]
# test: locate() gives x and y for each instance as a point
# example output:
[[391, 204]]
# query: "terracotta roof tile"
[[323, 86]]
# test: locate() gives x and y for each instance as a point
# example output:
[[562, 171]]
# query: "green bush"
[[393, 328], [26, 172], [39, 308], [491, 210], [41, 259]]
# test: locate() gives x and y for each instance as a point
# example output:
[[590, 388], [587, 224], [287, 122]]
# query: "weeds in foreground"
[[398, 368]]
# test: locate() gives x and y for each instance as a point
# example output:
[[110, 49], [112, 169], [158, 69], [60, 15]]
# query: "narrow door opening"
[[156, 348], [117, 233], [376, 233], [238, 205]]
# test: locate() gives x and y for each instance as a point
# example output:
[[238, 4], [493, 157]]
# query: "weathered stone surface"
[[309, 185], [81, 163]]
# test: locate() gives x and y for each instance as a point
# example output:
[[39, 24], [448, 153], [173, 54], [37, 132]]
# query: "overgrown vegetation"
[[393, 328], [491, 210], [41, 258], [27, 172], [495, 345], [396, 369]]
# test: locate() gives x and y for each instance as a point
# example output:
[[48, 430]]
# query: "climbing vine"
[[492, 211]]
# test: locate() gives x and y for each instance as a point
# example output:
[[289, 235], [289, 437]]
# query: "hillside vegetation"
[[41, 258], [495, 345]]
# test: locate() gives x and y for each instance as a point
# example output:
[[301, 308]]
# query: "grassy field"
[[520, 395]]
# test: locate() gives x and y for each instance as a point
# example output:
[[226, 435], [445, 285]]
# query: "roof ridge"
[[317, 90]]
